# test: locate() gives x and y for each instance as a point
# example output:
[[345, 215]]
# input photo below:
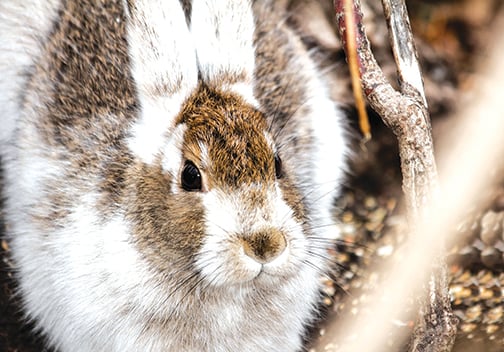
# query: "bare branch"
[[482, 148], [406, 114]]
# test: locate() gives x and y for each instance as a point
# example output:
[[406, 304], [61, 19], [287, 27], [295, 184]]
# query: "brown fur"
[[169, 223], [88, 66], [233, 131], [280, 85], [264, 245], [168, 227]]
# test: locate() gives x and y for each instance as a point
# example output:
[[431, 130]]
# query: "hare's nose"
[[264, 246]]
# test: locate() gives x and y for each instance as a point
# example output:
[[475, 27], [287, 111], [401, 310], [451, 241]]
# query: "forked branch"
[[405, 112]]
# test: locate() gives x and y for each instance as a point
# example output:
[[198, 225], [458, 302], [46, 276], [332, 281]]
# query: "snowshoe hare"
[[169, 173]]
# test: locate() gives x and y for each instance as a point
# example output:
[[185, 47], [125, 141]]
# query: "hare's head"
[[213, 197]]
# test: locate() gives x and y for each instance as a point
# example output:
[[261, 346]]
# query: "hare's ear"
[[164, 68], [223, 35]]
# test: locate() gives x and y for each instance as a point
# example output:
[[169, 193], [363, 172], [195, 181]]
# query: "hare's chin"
[[272, 276], [254, 274]]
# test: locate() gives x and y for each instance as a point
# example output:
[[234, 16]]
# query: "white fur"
[[161, 47], [331, 151], [23, 27], [164, 70], [325, 165], [224, 264], [155, 123], [98, 273], [172, 154], [223, 33]]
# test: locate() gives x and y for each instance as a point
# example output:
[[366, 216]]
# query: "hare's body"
[[147, 206]]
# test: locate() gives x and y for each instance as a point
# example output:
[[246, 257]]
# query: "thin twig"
[[403, 47], [436, 326], [351, 51]]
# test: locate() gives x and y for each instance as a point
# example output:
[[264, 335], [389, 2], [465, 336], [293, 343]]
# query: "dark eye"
[[278, 166], [191, 177]]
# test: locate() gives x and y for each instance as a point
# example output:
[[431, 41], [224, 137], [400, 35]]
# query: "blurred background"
[[453, 39]]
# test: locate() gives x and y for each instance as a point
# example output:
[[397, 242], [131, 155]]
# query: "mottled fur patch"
[[83, 119], [88, 68], [234, 134]]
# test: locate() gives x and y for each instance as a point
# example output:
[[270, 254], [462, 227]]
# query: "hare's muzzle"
[[265, 245]]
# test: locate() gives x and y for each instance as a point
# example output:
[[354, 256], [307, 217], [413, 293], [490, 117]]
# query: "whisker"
[[317, 269], [338, 241], [285, 122]]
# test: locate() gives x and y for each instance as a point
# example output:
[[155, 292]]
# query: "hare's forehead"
[[232, 152], [225, 125], [222, 134], [228, 140], [211, 125]]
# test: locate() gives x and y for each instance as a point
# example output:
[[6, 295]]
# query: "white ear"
[[160, 47], [164, 68], [223, 33]]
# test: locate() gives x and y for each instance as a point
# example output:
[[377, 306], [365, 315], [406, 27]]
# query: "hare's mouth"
[[279, 270], [273, 275], [231, 268]]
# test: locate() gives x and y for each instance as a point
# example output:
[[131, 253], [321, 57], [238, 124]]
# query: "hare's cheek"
[[168, 227]]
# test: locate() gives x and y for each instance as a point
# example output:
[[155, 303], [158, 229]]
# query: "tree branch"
[[406, 114]]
